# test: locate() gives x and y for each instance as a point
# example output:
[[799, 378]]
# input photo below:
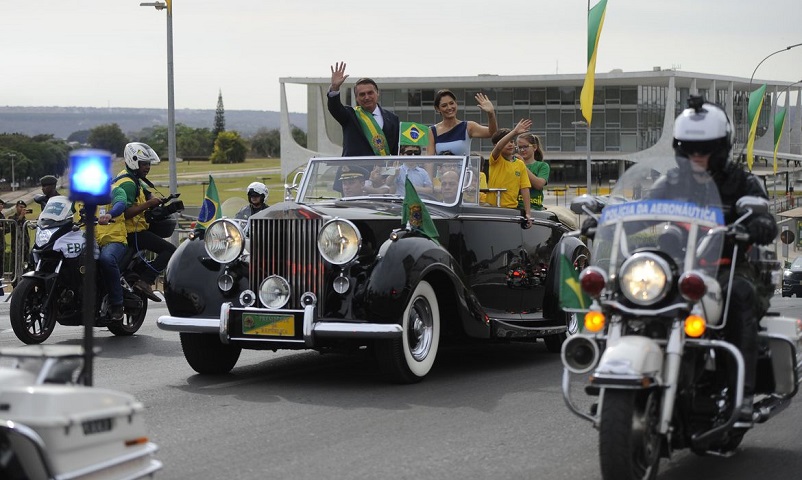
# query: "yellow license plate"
[[268, 325]]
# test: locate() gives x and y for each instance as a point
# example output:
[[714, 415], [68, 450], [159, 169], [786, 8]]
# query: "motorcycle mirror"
[[751, 204], [585, 204]]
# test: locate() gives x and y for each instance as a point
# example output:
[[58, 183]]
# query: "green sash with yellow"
[[374, 133]]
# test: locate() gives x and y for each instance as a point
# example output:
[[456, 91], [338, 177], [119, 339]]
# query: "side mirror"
[[586, 204], [40, 198], [749, 204]]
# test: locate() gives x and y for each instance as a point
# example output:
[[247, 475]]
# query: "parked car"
[[335, 269], [792, 279]]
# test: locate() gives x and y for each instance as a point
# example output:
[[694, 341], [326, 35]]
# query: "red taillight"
[[592, 281], [692, 286]]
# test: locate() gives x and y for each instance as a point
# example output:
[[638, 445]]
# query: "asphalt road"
[[484, 412]]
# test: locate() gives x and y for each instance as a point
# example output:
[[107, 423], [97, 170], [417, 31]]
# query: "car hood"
[[351, 209]]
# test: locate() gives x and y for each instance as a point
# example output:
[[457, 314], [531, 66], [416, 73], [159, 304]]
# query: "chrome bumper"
[[312, 328]]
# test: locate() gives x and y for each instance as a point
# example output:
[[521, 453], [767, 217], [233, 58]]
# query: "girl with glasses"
[[530, 152]]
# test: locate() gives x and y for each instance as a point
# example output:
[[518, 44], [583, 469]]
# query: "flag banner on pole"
[[414, 134], [210, 210], [755, 104], [779, 125], [572, 298], [415, 214], [169, 6], [595, 23]]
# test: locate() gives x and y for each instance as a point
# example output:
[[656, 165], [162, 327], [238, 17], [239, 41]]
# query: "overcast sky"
[[112, 53]]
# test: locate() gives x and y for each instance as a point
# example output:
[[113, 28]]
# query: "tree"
[[299, 136], [266, 143], [81, 136], [219, 116], [229, 148], [108, 137]]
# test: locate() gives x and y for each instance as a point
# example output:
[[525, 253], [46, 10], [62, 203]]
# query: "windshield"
[[663, 206], [443, 180]]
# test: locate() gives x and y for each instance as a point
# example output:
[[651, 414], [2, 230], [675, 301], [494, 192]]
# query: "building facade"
[[633, 114]]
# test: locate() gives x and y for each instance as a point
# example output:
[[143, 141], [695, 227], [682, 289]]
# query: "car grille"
[[287, 248]]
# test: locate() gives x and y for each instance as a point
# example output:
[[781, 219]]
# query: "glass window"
[[387, 97], [629, 95], [553, 96], [413, 98], [505, 119], [598, 96], [567, 118], [427, 97], [553, 118], [629, 119], [552, 141], [613, 95], [612, 140], [596, 142], [567, 143], [538, 118], [613, 117], [504, 97], [567, 95], [537, 96], [521, 96]]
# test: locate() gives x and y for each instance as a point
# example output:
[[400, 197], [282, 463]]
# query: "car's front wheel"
[[410, 358], [206, 354]]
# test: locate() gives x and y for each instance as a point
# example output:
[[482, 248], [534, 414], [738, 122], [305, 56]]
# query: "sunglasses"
[[410, 152], [700, 148]]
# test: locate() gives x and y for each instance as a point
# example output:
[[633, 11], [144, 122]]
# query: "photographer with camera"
[[139, 200]]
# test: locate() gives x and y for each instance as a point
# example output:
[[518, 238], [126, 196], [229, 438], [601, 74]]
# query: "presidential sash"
[[371, 129]]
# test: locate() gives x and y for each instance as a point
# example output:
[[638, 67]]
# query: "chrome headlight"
[[43, 235], [645, 278], [339, 241], [224, 241], [274, 292]]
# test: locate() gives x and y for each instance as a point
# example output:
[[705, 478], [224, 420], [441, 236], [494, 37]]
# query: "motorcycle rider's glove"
[[589, 227], [762, 230]]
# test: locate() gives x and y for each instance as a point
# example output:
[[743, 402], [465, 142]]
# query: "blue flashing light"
[[90, 176]]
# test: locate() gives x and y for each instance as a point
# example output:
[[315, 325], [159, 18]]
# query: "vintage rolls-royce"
[[336, 269]]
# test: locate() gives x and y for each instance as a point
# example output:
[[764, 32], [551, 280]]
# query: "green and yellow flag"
[[414, 134], [572, 298], [595, 23], [415, 214], [755, 104], [210, 210], [779, 125]]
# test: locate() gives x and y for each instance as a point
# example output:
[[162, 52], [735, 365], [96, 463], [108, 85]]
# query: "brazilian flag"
[[415, 214], [414, 134], [572, 298], [210, 210]]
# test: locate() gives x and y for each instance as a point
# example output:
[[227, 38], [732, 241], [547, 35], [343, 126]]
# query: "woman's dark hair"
[[534, 140], [439, 96]]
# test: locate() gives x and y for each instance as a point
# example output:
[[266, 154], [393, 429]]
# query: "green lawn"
[[231, 179]]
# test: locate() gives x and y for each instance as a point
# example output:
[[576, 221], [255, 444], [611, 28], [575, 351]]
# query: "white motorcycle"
[[660, 376]]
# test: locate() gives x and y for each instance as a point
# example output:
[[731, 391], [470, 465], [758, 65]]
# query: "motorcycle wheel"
[[132, 322], [27, 320], [629, 443]]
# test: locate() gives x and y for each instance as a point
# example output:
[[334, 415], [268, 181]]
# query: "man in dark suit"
[[368, 129]]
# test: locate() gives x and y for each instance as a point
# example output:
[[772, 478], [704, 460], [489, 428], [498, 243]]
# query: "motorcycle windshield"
[[664, 212]]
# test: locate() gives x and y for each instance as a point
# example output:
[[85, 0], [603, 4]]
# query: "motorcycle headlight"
[[43, 236], [224, 241], [645, 278], [339, 241]]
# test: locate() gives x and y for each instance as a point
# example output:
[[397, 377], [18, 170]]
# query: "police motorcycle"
[[52, 292], [657, 372]]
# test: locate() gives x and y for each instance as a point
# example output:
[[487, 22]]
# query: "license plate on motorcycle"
[[268, 325]]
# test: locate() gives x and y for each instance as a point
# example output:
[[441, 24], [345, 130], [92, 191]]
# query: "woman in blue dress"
[[454, 136]]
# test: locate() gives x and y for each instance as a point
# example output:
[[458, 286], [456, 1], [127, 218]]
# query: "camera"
[[28, 210]]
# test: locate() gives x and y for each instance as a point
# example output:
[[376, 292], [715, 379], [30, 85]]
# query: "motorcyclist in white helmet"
[[702, 142], [257, 200], [139, 157]]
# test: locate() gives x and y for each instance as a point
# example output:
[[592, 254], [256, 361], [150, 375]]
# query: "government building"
[[633, 116]]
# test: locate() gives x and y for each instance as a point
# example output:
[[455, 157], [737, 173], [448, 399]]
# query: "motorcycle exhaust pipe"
[[579, 354]]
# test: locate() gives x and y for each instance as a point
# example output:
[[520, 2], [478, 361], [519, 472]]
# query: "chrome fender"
[[631, 356]]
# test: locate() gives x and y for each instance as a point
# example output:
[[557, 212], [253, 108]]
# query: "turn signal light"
[[695, 326], [692, 286], [594, 321], [592, 281]]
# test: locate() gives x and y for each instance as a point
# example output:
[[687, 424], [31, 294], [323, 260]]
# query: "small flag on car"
[[210, 210], [415, 214]]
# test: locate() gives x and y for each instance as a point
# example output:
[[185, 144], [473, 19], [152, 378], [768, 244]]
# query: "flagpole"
[[588, 160]]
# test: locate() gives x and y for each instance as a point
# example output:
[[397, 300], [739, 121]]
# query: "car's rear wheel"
[[206, 354], [410, 358]]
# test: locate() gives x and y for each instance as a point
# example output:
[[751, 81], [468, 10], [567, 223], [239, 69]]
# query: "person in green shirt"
[[529, 150]]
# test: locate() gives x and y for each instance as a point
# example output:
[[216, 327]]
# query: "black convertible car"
[[336, 269]]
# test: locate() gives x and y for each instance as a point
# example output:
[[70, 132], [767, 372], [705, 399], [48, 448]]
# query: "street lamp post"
[[171, 147], [583, 123], [13, 177]]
